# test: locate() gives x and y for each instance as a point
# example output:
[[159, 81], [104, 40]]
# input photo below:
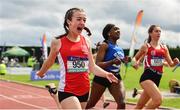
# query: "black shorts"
[[64, 95], [151, 75], [104, 81]]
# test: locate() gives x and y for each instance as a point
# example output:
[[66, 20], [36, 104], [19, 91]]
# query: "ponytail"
[[88, 31], [149, 39]]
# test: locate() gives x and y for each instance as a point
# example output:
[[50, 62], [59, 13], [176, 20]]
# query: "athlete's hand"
[[176, 61], [135, 64], [116, 61], [111, 78], [127, 59], [40, 74]]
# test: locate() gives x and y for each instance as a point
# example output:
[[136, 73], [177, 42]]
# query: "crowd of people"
[[12, 62], [76, 59]]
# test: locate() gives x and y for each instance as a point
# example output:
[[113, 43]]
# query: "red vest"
[[74, 63], [154, 58]]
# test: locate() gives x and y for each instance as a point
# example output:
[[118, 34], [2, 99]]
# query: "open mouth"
[[79, 28]]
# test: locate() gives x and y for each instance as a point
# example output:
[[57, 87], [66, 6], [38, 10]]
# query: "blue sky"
[[23, 22]]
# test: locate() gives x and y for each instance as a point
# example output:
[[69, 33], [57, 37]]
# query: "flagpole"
[[44, 45], [133, 38]]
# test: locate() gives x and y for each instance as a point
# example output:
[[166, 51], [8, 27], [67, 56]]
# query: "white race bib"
[[157, 61], [77, 64]]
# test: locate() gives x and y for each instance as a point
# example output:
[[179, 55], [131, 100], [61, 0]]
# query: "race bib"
[[77, 64], [157, 61], [119, 55]]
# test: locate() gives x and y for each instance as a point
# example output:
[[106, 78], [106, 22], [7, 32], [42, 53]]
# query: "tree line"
[[37, 52]]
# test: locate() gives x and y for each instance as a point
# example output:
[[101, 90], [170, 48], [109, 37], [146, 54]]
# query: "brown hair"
[[68, 16], [150, 30]]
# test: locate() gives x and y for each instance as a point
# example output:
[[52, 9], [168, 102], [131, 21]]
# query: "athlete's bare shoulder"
[[55, 44], [165, 48], [104, 45], [144, 47]]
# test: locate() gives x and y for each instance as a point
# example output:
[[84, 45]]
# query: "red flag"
[[139, 18]]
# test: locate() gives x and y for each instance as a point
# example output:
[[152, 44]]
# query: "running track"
[[21, 96]]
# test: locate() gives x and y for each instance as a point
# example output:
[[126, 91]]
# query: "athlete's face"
[[156, 33], [77, 24], [114, 33]]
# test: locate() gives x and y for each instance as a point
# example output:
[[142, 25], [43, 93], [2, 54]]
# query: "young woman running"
[[109, 57], [76, 61], [154, 54]]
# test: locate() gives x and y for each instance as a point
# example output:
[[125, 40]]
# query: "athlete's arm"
[[139, 55], [96, 69], [55, 45], [171, 62], [100, 57]]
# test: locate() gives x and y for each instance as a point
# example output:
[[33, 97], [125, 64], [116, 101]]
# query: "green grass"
[[133, 76], [131, 81]]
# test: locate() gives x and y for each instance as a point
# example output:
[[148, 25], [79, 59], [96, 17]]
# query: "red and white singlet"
[[154, 58], [73, 59]]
